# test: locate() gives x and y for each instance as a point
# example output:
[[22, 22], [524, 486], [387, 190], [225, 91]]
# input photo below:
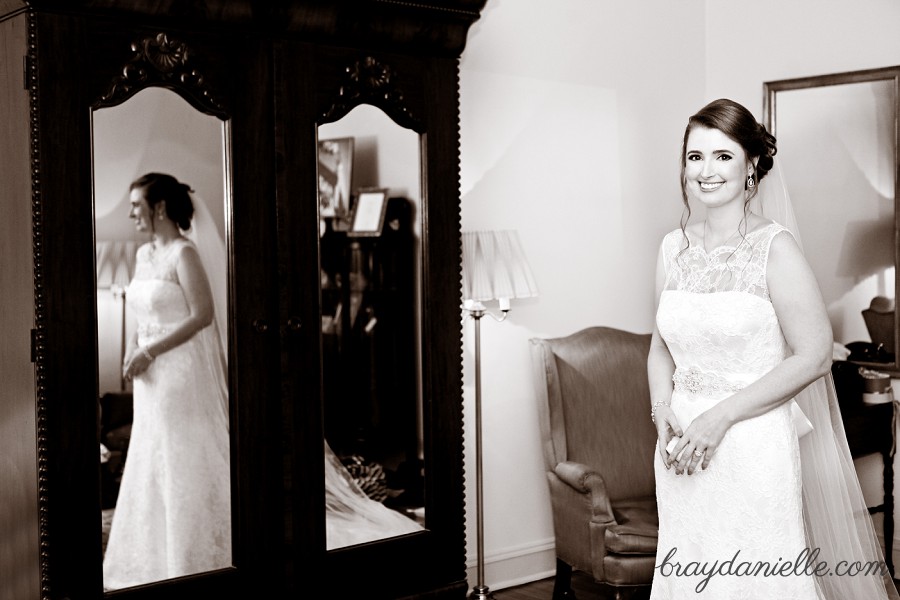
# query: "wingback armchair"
[[598, 445]]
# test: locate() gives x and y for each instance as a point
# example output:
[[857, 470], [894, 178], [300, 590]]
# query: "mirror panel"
[[165, 449], [370, 265], [837, 146]]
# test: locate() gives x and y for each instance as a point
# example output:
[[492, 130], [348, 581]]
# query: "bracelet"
[[654, 407], [146, 353]]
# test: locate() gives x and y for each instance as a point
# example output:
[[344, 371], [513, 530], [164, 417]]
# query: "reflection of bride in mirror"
[[173, 514]]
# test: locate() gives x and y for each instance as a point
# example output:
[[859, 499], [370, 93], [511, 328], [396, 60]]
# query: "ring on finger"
[[698, 453]]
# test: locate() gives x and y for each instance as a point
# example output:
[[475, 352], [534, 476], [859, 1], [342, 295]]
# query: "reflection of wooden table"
[[870, 430]]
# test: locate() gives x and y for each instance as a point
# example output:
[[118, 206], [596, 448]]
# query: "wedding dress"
[[173, 512], [748, 507]]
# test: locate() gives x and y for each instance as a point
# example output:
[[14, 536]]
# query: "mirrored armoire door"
[[373, 212], [155, 273]]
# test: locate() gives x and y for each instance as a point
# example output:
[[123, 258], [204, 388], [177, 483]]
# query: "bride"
[[173, 511], [755, 500]]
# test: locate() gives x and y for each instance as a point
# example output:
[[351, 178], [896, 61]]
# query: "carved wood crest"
[[369, 81], [165, 62]]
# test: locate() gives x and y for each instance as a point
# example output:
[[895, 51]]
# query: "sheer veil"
[[836, 518], [211, 248]]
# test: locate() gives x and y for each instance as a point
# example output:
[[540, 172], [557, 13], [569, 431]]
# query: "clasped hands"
[[135, 364], [695, 446]]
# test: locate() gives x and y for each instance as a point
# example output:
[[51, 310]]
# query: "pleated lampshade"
[[115, 263], [494, 267]]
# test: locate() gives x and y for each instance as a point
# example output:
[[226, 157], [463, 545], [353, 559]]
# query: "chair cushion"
[[636, 528], [629, 570]]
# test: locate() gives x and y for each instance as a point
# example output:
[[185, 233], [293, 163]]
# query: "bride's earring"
[[751, 182]]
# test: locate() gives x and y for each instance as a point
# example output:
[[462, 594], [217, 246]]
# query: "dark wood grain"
[[438, 27]]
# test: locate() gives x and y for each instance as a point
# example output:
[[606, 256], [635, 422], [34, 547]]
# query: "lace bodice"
[[155, 297], [715, 314]]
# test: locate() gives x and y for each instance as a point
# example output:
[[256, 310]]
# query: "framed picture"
[[335, 172], [368, 212]]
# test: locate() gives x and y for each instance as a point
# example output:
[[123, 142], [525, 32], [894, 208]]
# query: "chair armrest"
[[585, 480]]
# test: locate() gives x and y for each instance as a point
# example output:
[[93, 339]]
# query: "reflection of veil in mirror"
[[211, 248], [351, 517]]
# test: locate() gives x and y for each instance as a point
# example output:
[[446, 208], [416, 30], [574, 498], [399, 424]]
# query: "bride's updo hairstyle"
[[738, 123], [158, 187]]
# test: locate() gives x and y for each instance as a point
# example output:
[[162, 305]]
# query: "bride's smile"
[[716, 168]]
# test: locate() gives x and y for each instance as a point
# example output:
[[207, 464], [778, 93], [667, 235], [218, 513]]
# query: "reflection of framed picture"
[[368, 212], [335, 171]]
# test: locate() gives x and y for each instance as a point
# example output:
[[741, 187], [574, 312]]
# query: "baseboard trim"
[[515, 565]]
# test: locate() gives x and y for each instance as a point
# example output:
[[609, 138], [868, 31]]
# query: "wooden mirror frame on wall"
[[274, 73], [773, 90]]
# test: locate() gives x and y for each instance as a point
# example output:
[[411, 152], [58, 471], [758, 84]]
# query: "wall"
[[772, 40], [572, 117]]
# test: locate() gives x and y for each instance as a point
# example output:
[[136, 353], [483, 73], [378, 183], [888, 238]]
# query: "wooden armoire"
[[271, 73]]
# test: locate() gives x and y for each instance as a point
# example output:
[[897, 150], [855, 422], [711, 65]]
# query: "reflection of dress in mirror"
[[172, 515], [351, 517]]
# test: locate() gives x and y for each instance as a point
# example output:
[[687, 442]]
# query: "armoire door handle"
[[260, 325], [294, 324]]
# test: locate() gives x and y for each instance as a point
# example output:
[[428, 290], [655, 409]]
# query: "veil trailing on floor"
[[837, 521], [351, 517]]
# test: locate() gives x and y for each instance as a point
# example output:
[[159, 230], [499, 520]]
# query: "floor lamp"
[[494, 268], [115, 267]]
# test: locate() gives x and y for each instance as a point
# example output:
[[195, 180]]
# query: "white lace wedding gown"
[[721, 329], [173, 514]]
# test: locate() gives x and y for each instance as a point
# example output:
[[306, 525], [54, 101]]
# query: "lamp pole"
[[480, 591], [119, 292]]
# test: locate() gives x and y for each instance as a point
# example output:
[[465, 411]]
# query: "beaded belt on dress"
[[151, 329], [694, 381]]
